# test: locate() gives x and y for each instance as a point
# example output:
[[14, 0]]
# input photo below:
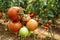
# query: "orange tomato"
[[32, 24], [14, 26]]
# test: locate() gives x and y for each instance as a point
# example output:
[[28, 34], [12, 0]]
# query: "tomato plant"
[[46, 10]]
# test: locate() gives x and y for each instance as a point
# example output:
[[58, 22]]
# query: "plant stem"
[[34, 37]]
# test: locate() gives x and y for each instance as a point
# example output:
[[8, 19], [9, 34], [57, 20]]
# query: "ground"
[[41, 34]]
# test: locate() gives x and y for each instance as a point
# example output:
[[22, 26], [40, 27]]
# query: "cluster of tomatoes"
[[20, 22], [49, 25]]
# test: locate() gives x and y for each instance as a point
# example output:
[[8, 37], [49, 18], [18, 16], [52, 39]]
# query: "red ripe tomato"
[[14, 26], [1, 15], [46, 28], [13, 13], [32, 14], [53, 26], [45, 24]]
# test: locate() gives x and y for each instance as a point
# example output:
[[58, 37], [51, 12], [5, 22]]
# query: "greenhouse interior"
[[29, 19]]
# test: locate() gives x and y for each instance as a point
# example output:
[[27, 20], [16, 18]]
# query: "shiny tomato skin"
[[32, 24], [13, 13], [14, 26], [24, 32]]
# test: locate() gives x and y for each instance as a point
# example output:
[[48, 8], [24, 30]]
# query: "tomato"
[[46, 28], [26, 18], [32, 14], [14, 26], [5, 20], [13, 13], [56, 16], [32, 24], [24, 32], [46, 24], [50, 22], [1, 15], [53, 26]]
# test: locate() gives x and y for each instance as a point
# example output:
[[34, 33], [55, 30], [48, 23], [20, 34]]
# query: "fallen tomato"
[[14, 26], [32, 24], [24, 32]]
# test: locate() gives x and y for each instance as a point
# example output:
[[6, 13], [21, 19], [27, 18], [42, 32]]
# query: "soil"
[[6, 35]]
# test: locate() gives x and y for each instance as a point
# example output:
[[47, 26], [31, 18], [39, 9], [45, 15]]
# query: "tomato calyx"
[[26, 18]]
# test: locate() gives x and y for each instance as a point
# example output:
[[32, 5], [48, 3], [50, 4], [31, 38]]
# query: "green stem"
[[21, 37], [52, 34], [34, 37]]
